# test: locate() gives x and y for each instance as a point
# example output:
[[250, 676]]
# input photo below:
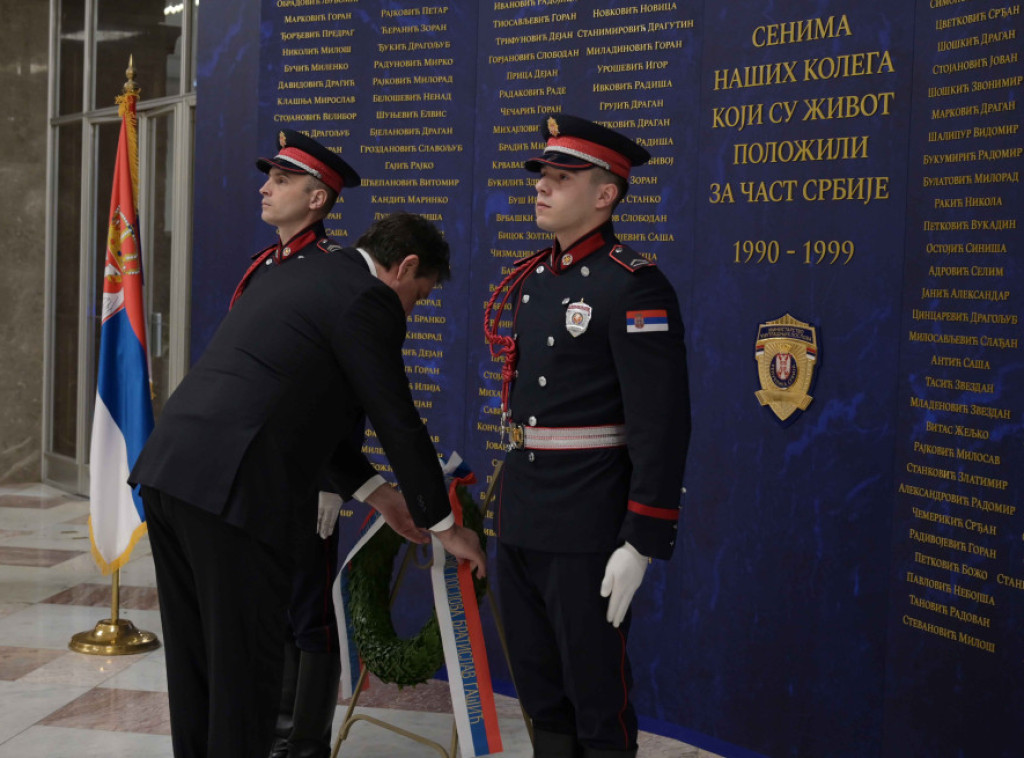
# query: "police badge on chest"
[[577, 318]]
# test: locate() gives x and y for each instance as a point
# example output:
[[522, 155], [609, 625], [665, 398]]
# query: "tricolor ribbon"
[[462, 636]]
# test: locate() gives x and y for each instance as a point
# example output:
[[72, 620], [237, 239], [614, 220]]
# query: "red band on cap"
[[618, 164], [328, 175]]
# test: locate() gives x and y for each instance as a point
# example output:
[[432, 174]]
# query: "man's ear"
[[410, 264], [607, 194], [317, 199]]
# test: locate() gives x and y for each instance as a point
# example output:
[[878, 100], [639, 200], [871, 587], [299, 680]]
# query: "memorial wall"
[[835, 193]]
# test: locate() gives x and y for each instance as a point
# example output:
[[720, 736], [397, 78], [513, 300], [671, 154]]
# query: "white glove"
[[622, 577], [327, 510]]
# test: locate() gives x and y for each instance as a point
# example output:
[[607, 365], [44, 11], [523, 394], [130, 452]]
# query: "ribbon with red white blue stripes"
[[462, 637]]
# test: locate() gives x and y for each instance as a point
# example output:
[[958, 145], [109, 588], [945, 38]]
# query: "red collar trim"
[[303, 239], [306, 237], [578, 250]]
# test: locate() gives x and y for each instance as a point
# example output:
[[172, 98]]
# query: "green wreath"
[[393, 659]]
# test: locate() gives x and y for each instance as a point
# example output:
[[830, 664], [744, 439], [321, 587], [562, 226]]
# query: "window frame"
[[72, 472]]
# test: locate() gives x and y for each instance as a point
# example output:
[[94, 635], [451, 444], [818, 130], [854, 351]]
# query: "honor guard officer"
[[304, 179], [596, 406]]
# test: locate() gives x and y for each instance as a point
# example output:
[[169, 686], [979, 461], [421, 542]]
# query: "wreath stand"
[[351, 718]]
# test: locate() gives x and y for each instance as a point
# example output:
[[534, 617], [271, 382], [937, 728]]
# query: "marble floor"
[[58, 703]]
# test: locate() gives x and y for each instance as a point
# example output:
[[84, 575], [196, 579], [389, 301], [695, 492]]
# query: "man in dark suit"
[[230, 470], [597, 410]]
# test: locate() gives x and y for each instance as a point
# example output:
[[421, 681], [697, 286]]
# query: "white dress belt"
[[522, 437]]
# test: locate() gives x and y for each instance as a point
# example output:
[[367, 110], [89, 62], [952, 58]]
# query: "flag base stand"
[[350, 719], [114, 636]]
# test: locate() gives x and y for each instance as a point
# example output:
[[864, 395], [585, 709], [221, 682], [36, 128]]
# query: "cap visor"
[[557, 160]]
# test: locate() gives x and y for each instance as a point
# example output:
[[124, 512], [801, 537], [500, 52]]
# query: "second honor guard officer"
[[230, 472], [599, 422]]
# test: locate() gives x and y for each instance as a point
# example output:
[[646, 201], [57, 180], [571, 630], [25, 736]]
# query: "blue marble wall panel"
[[956, 578], [788, 179], [226, 219]]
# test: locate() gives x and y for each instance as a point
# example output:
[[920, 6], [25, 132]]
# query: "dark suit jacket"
[[249, 432]]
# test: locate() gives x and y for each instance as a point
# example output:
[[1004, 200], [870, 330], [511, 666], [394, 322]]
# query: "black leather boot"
[[315, 700], [554, 745], [283, 725]]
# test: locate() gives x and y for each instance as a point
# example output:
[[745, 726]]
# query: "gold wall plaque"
[[786, 352]]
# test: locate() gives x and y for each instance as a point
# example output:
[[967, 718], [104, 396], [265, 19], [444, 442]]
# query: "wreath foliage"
[[393, 659]]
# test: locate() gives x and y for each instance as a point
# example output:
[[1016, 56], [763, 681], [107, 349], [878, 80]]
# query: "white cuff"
[[446, 523], [368, 488]]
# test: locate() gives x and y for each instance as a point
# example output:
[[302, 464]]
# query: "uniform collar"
[[589, 243], [306, 237]]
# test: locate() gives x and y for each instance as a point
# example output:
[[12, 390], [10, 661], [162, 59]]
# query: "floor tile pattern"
[[59, 704]]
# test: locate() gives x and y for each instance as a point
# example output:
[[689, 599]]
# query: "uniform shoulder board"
[[628, 258], [328, 245]]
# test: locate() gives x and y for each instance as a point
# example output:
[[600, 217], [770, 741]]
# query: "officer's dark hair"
[[601, 176], [391, 238], [312, 183]]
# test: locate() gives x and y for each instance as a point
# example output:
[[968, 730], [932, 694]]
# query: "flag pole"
[[115, 635]]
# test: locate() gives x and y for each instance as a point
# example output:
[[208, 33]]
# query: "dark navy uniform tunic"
[[627, 367], [311, 615], [562, 512]]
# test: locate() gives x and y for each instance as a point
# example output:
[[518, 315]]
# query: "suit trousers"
[[570, 665], [223, 604]]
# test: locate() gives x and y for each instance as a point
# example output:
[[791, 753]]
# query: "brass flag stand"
[[115, 635], [350, 718]]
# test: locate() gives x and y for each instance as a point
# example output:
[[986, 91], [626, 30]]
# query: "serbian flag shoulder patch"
[[646, 321]]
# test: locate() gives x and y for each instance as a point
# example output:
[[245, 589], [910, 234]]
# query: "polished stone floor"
[[57, 703]]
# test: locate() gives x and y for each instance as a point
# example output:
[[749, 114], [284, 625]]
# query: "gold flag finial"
[[130, 87]]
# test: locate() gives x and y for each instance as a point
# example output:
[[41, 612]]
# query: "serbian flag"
[[123, 417]]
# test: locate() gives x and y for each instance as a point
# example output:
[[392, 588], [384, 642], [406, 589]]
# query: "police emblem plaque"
[[577, 318], [786, 352]]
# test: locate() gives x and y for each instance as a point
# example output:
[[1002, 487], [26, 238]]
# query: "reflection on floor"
[[58, 703]]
